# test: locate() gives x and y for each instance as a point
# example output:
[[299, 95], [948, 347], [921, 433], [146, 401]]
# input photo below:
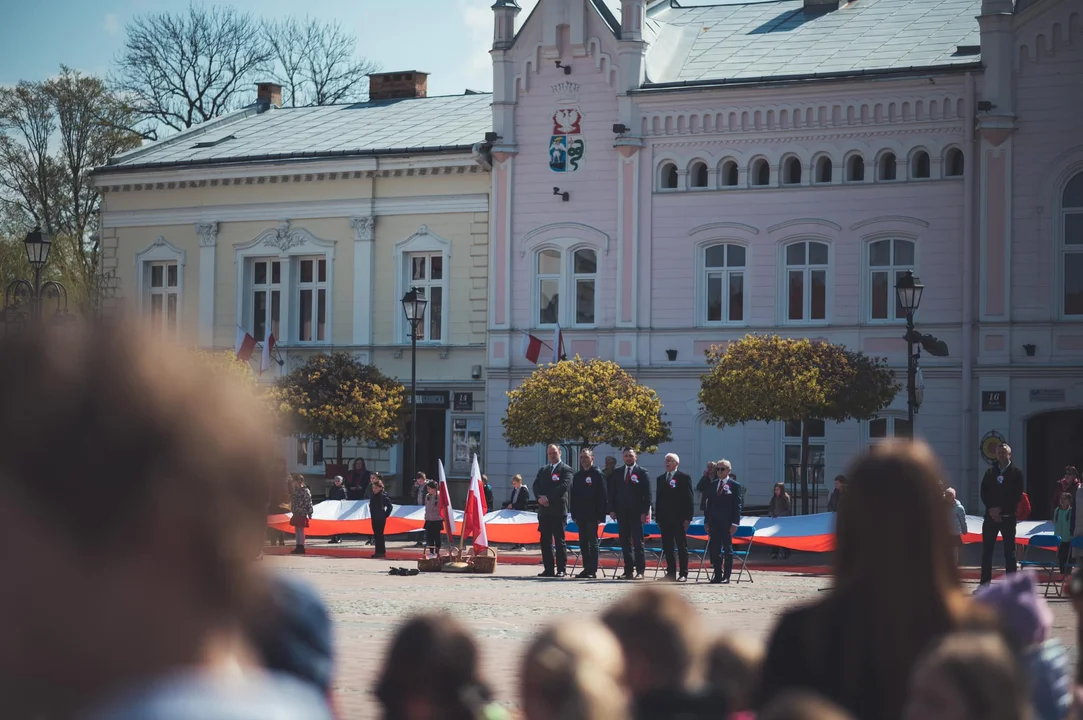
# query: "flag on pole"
[[245, 345], [476, 508], [558, 345], [265, 359], [532, 347], [445, 503]]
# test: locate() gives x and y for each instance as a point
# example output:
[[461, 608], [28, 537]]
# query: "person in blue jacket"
[[721, 518]]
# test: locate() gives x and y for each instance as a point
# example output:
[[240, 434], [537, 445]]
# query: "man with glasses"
[[629, 503], [589, 507], [674, 508], [721, 519]]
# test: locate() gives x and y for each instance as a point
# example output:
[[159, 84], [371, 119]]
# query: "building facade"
[[311, 224], [665, 178]]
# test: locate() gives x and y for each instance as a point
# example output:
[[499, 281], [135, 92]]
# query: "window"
[[668, 180], [855, 168], [791, 444], [824, 170], [887, 168], [311, 300], [883, 428], [725, 284], [548, 287], [953, 163], [888, 261], [806, 281], [920, 168], [427, 273], [729, 173], [266, 298], [466, 434], [761, 173], [309, 451], [1072, 245], [698, 175], [163, 296], [584, 272], [791, 171]]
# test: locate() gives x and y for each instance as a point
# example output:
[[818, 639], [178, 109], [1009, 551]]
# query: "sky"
[[448, 38]]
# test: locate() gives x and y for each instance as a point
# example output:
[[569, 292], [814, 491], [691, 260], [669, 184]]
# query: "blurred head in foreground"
[[573, 671], [133, 484]]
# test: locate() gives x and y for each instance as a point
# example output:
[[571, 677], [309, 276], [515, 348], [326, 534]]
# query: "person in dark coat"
[[589, 507], [357, 480], [519, 495], [721, 519], [674, 504], [1001, 491], [551, 489], [488, 489], [706, 482], [337, 492], [629, 503], [380, 508]]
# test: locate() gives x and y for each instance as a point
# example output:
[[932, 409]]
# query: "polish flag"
[[445, 504], [558, 345], [245, 345], [474, 515], [265, 360], [532, 347]]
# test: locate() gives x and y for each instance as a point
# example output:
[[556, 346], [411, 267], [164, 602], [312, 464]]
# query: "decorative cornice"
[[363, 228], [889, 219], [284, 238], [208, 234], [761, 137], [724, 226], [804, 221]]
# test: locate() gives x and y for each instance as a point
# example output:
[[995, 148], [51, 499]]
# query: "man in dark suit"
[[629, 503], [706, 482], [1001, 491], [551, 488], [589, 507], [519, 495], [674, 505], [722, 517]]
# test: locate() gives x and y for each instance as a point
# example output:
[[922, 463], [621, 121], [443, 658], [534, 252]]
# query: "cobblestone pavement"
[[506, 609]]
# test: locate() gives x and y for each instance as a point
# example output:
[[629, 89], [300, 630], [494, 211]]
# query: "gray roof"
[[451, 123], [777, 38]]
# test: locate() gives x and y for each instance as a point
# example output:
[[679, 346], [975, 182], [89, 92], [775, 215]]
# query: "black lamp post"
[[909, 289], [413, 304], [37, 245]]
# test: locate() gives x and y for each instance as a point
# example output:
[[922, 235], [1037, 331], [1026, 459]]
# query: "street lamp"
[[413, 304], [909, 289], [37, 245]]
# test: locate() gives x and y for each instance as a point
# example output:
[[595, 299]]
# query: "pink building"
[[772, 167]]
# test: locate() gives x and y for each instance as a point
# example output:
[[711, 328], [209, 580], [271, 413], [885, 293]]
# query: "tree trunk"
[[804, 468], [338, 449]]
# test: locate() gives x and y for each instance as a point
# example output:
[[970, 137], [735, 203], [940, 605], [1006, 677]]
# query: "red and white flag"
[[532, 347], [245, 345], [558, 345], [268, 348], [445, 504], [476, 509]]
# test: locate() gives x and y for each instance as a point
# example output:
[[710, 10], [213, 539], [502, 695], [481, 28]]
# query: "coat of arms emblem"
[[566, 146]]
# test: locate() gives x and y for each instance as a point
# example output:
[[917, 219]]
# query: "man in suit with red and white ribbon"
[[629, 503]]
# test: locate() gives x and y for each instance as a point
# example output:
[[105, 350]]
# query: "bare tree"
[[316, 62], [182, 69]]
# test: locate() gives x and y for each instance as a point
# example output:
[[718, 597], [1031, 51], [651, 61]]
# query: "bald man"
[[674, 507], [551, 489]]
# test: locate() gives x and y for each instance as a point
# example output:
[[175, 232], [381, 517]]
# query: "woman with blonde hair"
[[573, 671]]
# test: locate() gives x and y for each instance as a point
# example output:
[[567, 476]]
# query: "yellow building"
[[311, 224]]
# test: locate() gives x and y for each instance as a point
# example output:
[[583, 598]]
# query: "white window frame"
[[864, 168], [285, 244], [892, 269], [880, 157], [573, 292], [475, 423], [692, 175], [783, 299], [944, 165], [160, 252], [315, 285], [281, 287], [722, 173], [891, 419], [165, 291], [422, 242], [308, 465], [819, 441], [1063, 249], [661, 174], [428, 285], [540, 277], [567, 284], [702, 283]]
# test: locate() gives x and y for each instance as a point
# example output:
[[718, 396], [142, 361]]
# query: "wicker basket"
[[484, 563], [436, 564]]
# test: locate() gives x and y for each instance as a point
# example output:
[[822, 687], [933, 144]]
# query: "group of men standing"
[[625, 496]]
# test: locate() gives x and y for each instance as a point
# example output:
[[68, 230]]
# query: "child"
[[379, 510], [1062, 526], [957, 520], [434, 521], [301, 507]]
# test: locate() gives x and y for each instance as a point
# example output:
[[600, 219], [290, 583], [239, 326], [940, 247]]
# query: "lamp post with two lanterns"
[[909, 290], [34, 293], [414, 304]]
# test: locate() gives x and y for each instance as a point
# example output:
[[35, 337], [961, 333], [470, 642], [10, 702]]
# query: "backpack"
[[1022, 511]]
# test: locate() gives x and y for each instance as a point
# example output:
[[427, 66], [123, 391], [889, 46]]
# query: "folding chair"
[[611, 528], [743, 532], [576, 549], [1049, 542], [652, 531], [1077, 550]]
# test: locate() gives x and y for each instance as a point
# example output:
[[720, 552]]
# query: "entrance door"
[[431, 444], [1054, 439]]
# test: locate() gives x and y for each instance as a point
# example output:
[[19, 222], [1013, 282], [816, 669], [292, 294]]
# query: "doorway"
[[431, 444], [1054, 439]]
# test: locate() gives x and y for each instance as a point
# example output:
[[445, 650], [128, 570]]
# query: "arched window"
[[920, 167], [953, 163], [791, 171], [584, 275], [889, 259], [761, 173], [887, 168], [548, 284], [729, 173], [855, 168], [806, 281], [824, 170], [884, 428], [1071, 228], [724, 284], [698, 175], [668, 177]]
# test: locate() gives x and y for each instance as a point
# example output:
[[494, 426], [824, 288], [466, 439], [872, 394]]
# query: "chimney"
[[398, 85], [268, 94], [821, 6]]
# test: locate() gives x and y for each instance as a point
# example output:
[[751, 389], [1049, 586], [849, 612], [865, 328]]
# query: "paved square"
[[506, 609]]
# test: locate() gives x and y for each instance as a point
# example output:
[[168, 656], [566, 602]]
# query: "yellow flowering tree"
[[585, 403], [775, 379], [226, 362], [335, 396]]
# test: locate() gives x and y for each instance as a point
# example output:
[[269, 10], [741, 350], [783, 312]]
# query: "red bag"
[[1022, 511]]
